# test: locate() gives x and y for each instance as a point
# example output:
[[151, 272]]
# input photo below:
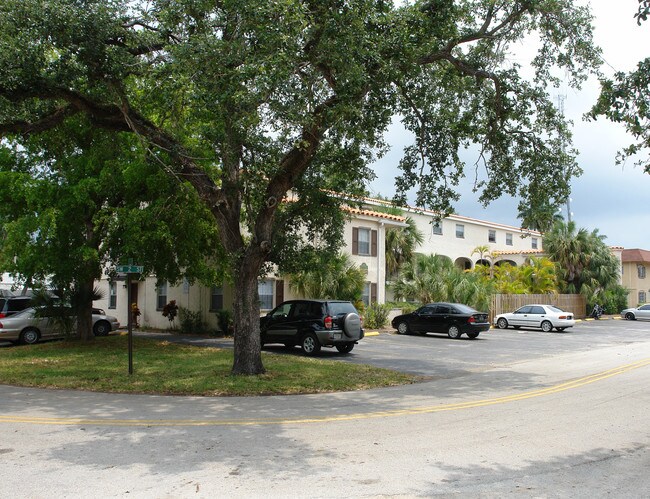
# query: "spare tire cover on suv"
[[352, 325]]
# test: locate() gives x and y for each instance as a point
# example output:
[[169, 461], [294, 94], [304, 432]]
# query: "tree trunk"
[[246, 312], [84, 311]]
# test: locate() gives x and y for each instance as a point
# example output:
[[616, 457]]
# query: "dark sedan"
[[452, 319]]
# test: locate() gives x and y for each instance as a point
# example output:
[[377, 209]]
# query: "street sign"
[[130, 269]]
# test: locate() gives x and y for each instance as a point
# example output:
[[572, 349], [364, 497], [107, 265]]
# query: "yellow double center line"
[[569, 385]]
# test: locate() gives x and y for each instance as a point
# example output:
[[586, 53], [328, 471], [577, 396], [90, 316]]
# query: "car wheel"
[[630, 316], [101, 328], [310, 344], [547, 327], [403, 328], [347, 348], [472, 336], [454, 332], [29, 336], [502, 323]]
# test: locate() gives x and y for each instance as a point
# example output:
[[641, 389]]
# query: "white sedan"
[[632, 314], [545, 317]]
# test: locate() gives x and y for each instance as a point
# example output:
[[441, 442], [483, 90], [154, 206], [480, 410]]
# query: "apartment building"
[[364, 240], [635, 264]]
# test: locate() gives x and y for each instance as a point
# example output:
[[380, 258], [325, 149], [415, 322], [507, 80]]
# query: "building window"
[[216, 298], [265, 290], [436, 228], [508, 239], [641, 271], [533, 243], [186, 286], [112, 295], [492, 236], [365, 296], [161, 296], [364, 241], [460, 231], [642, 297]]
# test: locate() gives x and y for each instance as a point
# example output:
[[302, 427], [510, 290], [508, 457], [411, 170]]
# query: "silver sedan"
[[632, 314], [28, 327], [545, 317]]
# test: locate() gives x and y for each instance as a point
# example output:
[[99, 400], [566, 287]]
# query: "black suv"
[[10, 305], [313, 324]]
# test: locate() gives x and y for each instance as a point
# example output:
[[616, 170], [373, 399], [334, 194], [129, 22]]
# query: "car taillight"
[[2, 316], [471, 320], [361, 320], [562, 317], [328, 322]]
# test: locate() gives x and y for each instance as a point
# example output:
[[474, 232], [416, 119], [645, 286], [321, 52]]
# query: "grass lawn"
[[161, 367]]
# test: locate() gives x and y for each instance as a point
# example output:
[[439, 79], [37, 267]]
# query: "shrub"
[[376, 315], [226, 324], [191, 322]]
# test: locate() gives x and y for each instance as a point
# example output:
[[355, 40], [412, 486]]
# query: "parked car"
[[641, 312], [26, 327], [545, 317], [10, 305], [313, 324], [452, 319]]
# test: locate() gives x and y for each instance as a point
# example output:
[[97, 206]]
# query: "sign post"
[[128, 270]]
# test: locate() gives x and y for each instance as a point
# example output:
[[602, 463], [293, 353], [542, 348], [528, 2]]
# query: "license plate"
[[338, 336]]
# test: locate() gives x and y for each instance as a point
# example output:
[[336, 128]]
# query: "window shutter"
[[355, 240], [373, 292], [373, 247], [279, 292]]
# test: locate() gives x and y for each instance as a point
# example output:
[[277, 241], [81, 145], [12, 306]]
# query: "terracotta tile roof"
[[460, 217], [520, 252], [635, 255], [377, 214]]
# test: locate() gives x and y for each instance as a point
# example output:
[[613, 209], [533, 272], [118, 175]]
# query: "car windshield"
[[341, 307]]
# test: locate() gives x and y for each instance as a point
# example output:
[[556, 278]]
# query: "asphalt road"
[[511, 414]]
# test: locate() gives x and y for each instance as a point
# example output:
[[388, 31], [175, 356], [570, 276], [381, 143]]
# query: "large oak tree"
[[254, 102]]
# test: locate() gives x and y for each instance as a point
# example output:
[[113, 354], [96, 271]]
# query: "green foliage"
[[624, 99], [613, 300], [170, 310], [435, 278], [376, 315], [401, 243], [249, 101], [225, 322], [191, 322], [329, 277], [584, 262]]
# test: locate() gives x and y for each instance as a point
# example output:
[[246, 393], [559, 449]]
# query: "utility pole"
[[560, 105]]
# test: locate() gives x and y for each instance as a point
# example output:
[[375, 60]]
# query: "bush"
[[225, 322], [376, 315], [191, 322]]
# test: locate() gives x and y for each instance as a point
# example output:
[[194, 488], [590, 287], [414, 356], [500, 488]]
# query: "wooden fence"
[[509, 303]]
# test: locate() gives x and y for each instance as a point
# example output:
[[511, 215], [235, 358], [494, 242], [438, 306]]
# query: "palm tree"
[[585, 263], [329, 277], [539, 276], [401, 244], [434, 278]]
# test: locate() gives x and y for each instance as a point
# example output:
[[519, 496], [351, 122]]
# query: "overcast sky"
[[613, 199]]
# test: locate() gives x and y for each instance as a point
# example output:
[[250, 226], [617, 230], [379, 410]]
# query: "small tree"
[[170, 310]]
